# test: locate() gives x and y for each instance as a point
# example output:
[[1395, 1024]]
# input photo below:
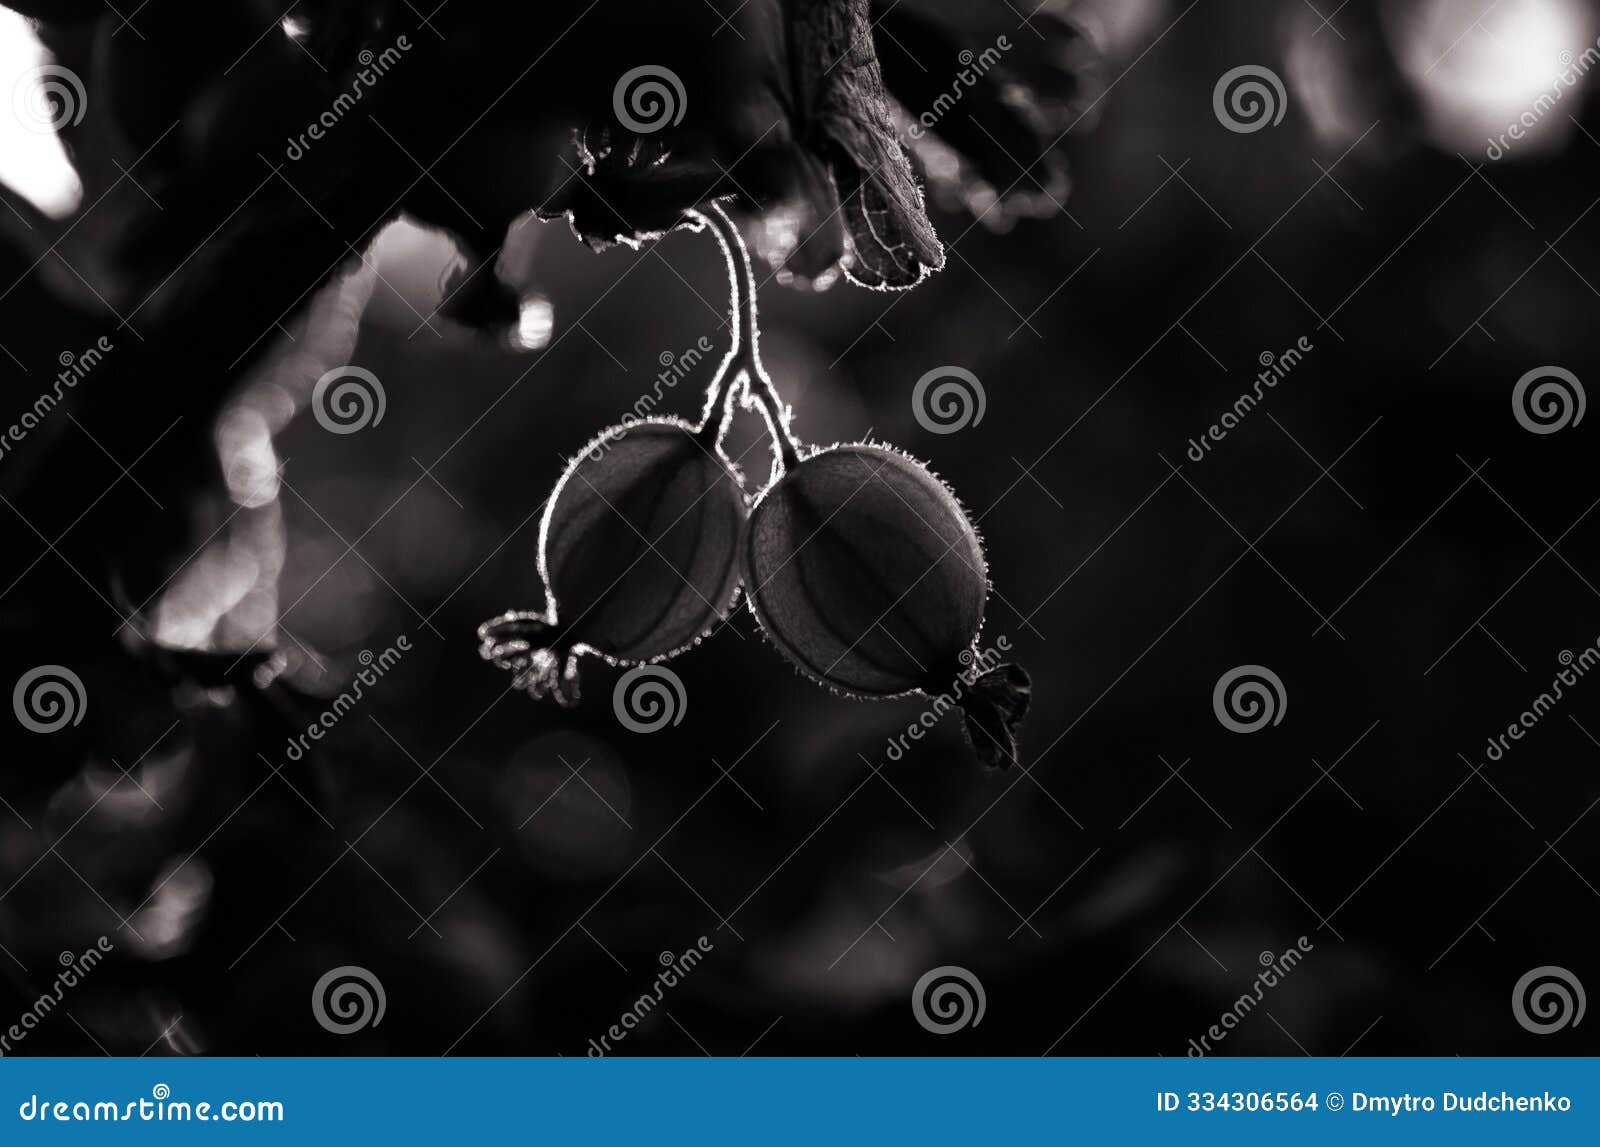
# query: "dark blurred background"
[[1383, 532]]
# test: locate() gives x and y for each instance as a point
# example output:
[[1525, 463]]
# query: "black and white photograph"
[[800, 528]]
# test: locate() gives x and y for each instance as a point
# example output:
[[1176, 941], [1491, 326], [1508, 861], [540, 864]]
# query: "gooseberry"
[[638, 550], [860, 564], [638, 547], [865, 572]]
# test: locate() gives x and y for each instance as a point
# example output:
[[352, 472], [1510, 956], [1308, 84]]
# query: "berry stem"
[[744, 355]]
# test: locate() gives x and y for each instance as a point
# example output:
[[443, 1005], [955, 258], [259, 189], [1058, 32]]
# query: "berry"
[[865, 572], [638, 550], [863, 568]]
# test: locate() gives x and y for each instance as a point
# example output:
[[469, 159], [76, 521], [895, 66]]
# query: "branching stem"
[[743, 361]]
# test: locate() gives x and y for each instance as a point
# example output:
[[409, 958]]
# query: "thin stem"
[[744, 354], [732, 362]]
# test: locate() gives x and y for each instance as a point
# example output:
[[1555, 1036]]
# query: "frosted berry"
[[639, 552], [866, 573]]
